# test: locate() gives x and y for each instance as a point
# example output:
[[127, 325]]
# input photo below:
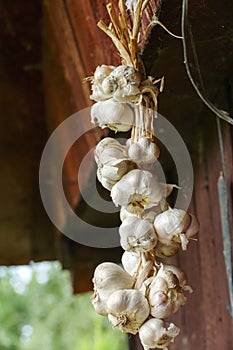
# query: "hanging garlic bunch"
[[136, 298]]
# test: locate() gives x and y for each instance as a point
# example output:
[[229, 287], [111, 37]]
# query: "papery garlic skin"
[[165, 294], [137, 190], [131, 262], [137, 235], [148, 214], [122, 84], [99, 300], [171, 225], [101, 73], [127, 310], [143, 152], [113, 115], [113, 162], [109, 149], [108, 277], [156, 333]]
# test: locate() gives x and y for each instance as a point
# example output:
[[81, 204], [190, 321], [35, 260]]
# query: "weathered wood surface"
[[25, 231]]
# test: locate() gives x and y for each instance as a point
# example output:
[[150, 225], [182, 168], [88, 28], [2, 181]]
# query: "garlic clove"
[[127, 309], [136, 191], [111, 277], [131, 262], [137, 235], [113, 115], [156, 333]]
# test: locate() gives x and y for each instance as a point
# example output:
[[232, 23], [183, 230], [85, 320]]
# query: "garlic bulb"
[[109, 149], [113, 115], [137, 235], [143, 152], [137, 190], [156, 333], [113, 162], [110, 276], [130, 262], [127, 309], [171, 226], [165, 295], [122, 84]]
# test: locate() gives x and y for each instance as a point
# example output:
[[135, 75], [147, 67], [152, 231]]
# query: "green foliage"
[[41, 313]]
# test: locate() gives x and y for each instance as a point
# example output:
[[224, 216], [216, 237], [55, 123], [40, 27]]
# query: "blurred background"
[[47, 49]]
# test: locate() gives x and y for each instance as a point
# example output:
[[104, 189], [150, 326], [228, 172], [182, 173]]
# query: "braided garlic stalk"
[[138, 297]]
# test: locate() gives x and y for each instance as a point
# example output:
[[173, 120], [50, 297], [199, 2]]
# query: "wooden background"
[[47, 49]]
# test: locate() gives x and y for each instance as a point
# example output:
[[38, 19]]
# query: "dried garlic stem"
[[120, 47]]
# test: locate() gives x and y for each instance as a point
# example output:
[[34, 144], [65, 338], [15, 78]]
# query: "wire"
[[184, 25]]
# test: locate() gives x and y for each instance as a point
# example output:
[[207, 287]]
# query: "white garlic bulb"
[[109, 149], [137, 235], [130, 262], [165, 295], [127, 309], [137, 190], [128, 81], [122, 84], [113, 115], [143, 152], [171, 226], [156, 333], [110, 276], [113, 162]]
